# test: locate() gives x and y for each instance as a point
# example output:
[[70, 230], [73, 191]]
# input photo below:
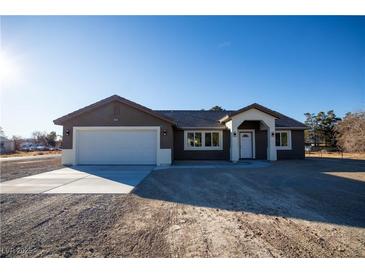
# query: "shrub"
[[351, 132]]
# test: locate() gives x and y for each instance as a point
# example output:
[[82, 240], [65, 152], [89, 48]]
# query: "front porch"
[[252, 136]]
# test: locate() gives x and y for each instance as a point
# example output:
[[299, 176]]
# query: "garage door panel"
[[112, 146]]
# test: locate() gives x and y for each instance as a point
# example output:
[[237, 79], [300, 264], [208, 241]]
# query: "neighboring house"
[[118, 131], [6, 145]]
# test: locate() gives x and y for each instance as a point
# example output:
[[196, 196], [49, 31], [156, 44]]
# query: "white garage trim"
[[68, 157], [161, 156]]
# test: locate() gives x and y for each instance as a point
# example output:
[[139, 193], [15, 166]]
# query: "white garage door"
[[116, 146]]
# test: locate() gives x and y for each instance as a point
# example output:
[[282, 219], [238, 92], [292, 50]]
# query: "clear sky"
[[55, 65]]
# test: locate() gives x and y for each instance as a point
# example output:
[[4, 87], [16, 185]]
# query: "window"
[[194, 139], [212, 139], [203, 140], [197, 139], [215, 139], [208, 139], [191, 139], [283, 139]]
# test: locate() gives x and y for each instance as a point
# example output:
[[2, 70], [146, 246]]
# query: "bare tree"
[[40, 137], [17, 141], [351, 132]]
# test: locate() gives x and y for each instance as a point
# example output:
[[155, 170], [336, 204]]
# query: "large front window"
[[283, 139], [194, 139], [203, 140]]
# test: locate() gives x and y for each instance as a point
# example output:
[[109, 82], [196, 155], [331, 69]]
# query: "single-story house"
[[118, 131]]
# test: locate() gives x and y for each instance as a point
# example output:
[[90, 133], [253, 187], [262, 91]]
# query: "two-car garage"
[[116, 145], [116, 131]]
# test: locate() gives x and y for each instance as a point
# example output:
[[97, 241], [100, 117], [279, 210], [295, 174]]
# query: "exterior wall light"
[[67, 132], [234, 133], [164, 132], [272, 134]]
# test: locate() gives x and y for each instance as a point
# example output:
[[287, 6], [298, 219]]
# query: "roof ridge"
[[192, 110], [109, 100]]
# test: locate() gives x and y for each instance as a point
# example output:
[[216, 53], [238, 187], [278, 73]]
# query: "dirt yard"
[[309, 208], [28, 153], [337, 155], [16, 169]]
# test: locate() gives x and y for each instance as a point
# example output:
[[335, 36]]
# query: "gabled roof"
[[113, 98], [203, 119], [255, 106]]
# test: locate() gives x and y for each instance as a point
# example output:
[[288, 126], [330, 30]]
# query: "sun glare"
[[8, 67]]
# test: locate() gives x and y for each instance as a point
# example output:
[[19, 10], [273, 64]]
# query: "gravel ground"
[[311, 208], [16, 169]]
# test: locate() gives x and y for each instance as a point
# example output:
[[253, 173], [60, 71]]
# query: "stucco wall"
[[297, 151], [118, 114], [181, 154]]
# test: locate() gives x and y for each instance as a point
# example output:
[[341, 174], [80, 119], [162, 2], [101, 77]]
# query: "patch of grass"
[[337, 155], [28, 153]]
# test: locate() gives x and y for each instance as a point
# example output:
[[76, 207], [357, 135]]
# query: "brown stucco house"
[[118, 131]]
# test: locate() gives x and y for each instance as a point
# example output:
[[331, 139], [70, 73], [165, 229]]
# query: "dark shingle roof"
[[195, 118], [210, 119], [287, 122], [188, 118]]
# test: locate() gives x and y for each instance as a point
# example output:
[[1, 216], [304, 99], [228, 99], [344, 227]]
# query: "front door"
[[246, 144]]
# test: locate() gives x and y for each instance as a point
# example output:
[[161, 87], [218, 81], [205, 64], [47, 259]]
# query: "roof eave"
[[203, 128], [63, 119], [257, 107], [299, 128], [224, 119]]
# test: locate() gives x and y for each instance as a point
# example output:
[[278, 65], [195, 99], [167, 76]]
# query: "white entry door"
[[246, 145]]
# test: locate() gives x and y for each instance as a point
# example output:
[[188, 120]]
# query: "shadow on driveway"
[[323, 190], [124, 174]]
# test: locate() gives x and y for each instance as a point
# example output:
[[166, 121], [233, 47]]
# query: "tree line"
[[38, 137], [346, 134]]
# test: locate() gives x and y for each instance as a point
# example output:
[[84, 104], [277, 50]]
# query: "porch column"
[[271, 147], [235, 146]]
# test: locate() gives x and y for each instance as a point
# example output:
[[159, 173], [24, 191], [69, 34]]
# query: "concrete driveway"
[[80, 179]]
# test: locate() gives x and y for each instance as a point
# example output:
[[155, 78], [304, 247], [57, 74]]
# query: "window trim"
[[203, 147], [289, 146]]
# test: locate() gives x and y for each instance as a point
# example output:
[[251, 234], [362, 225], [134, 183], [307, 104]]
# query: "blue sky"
[[291, 64]]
